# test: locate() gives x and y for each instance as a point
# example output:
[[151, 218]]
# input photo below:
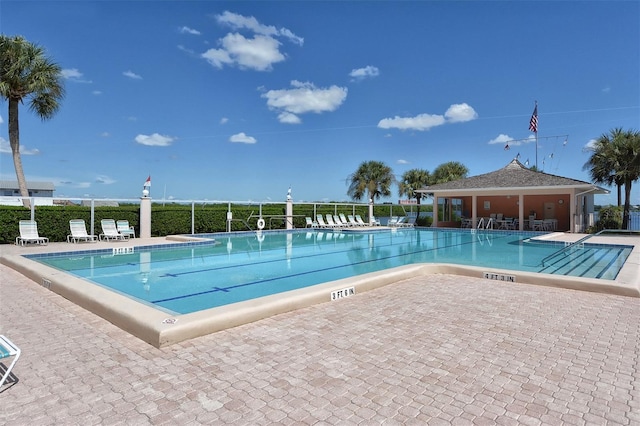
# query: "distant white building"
[[41, 191]]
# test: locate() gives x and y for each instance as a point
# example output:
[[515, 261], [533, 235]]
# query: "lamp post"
[[145, 210], [289, 210]]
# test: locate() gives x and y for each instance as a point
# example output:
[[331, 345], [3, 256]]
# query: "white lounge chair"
[[29, 233], [360, 221], [321, 222], [311, 223], [110, 230], [407, 222], [8, 349], [330, 221], [339, 223], [352, 220], [79, 232], [123, 227], [393, 221], [344, 220], [374, 221]]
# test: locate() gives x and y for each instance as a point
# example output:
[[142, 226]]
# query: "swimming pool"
[[187, 278]]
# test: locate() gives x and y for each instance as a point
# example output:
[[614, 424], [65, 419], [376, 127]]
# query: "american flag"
[[533, 123]]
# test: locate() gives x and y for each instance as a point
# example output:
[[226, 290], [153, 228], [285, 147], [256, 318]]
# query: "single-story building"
[[43, 191], [517, 193]]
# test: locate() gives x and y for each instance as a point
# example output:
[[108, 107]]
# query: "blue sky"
[[240, 100]]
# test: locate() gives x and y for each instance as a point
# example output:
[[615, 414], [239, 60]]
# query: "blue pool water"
[[184, 278]]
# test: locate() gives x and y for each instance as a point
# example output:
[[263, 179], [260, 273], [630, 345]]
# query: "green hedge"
[[173, 219]]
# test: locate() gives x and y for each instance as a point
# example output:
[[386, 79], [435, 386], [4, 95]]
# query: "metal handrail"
[[581, 240], [565, 248]]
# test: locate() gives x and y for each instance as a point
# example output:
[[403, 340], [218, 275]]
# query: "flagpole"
[[533, 126], [537, 169]]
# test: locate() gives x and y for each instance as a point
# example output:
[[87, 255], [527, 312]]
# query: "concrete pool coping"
[[160, 329]]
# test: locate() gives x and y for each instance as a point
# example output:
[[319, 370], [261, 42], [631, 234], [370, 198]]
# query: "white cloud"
[[239, 22], [362, 73], [5, 148], [184, 49], [589, 146], [132, 75], [96, 92], [72, 74], [155, 140], [242, 138], [224, 120], [304, 98], [288, 118], [401, 161], [503, 139], [187, 30], [456, 113], [419, 122], [258, 53]]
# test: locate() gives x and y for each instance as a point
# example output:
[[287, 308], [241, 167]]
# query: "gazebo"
[[517, 192]]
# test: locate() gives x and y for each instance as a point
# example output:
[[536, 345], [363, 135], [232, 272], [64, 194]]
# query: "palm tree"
[[447, 172], [411, 180], [628, 149], [27, 74], [373, 179], [616, 160], [602, 165]]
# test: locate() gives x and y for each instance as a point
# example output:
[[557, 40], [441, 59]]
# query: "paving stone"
[[492, 353]]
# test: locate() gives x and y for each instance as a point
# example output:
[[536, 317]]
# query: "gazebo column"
[[521, 212], [435, 211], [474, 211]]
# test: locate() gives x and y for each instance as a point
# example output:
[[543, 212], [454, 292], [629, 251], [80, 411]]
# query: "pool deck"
[[436, 349]]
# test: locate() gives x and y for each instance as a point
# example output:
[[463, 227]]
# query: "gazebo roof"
[[513, 176]]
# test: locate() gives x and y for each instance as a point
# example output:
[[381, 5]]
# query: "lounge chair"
[[79, 232], [330, 221], [344, 220], [393, 221], [110, 230], [29, 233], [352, 220], [407, 222], [311, 223], [360, 221], [8, 349], [123, 227], [374, 221], [321, 222], [339, 223]]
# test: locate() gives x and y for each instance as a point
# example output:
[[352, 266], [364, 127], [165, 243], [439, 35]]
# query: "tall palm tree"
[[602, 165], [373, 179], [26, 74], [411, 180], [628, 149], [452, 170], [615, 160]]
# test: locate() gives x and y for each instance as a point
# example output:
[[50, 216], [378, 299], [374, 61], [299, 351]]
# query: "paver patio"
[[440, 349]]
